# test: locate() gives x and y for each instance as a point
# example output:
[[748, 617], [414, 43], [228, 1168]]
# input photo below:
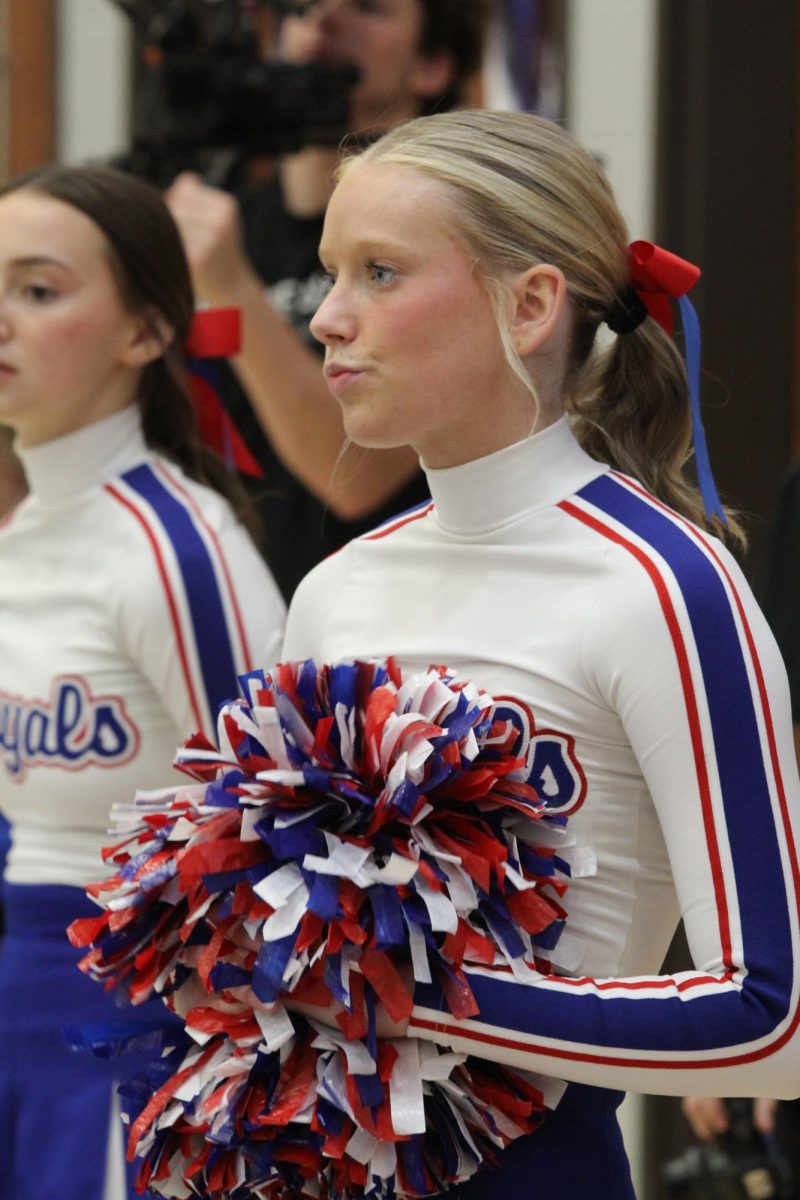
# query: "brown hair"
[[150, 268], [524, 192], [458, 26]]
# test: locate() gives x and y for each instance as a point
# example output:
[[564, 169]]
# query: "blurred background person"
[[413, 57], [132, 597]]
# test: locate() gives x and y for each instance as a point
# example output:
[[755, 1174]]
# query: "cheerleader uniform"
[[666, 739], [130, 600]]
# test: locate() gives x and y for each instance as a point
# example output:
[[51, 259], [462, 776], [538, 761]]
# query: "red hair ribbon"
[[217, 333], [658, 277]]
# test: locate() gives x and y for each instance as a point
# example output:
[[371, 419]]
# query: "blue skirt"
[[55, 1102], [577, 1152]]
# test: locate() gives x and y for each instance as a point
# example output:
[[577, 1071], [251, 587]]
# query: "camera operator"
[[413, 57]]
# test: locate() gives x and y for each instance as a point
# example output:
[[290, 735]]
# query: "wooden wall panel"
[[29, 84], [5, 98], [27, 136]]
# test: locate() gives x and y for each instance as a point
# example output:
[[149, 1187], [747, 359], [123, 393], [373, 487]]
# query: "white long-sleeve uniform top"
[[541, 574], [130, 600]]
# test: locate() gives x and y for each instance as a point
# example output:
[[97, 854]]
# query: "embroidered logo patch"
[[551, 765], [71, 730]]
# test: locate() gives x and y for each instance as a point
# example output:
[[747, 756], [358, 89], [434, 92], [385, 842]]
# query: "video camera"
[[205, 98]]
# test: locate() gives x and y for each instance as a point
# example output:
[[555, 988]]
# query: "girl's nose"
[[334, 320]]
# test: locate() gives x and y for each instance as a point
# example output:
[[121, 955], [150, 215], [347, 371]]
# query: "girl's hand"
[[208, 220], [708, 1116]]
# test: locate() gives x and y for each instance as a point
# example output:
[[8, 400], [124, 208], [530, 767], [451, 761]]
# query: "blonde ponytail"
[[630, 409]]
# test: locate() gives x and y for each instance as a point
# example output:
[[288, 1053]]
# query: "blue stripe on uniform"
[[401, 516], [725, 1018], [209, 622], [744, 783]]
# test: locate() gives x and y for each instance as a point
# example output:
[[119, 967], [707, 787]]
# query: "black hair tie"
[[627, 311]]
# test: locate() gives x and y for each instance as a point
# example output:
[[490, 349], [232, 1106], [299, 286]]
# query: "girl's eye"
[[328, 280], [381, 274], [38, 292]]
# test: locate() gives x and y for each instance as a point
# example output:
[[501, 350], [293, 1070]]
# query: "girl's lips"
[[340, 378]]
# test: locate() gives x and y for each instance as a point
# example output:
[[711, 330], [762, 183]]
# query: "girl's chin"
[[372, 437]]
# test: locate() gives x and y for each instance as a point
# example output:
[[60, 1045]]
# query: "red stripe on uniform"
[[520, 1046], [606, 985], [757, 669], [176, 484], [381, 533], [682, 1064], [173, 608], [692, 713], [636, 985]]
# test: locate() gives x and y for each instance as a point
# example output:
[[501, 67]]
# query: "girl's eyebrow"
[[38, 260], [371, 247]]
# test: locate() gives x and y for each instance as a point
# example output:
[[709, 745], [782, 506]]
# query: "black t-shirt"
[[298, 531]]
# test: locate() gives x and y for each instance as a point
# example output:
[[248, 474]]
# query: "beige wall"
[[93, 53], [611, 97]]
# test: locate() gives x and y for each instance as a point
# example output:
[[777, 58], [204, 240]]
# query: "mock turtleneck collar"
[[67, 466], [488, 493]]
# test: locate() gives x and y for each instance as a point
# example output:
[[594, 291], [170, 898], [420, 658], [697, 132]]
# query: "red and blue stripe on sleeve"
[[658, 1033], [210, 638]]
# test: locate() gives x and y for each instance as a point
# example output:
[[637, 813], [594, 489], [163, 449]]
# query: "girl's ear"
[[539, 297], [150, 336]]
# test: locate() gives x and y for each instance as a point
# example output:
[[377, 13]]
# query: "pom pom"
[[353, 833]]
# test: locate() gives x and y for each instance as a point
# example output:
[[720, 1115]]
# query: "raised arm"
[[281, 376]]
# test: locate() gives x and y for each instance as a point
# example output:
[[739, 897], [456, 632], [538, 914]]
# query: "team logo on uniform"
[[550, 764], [71, 730]]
